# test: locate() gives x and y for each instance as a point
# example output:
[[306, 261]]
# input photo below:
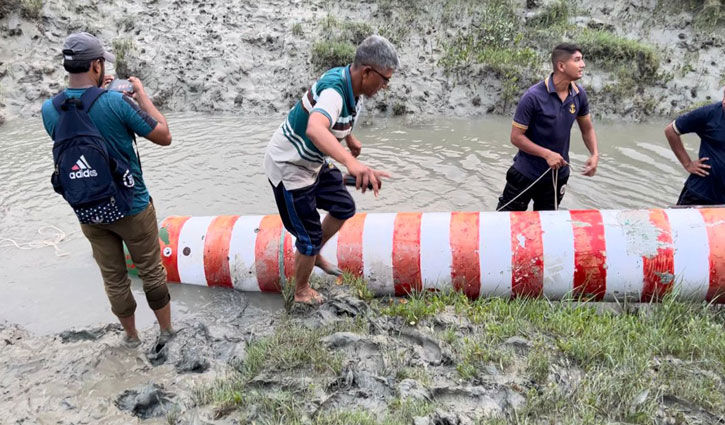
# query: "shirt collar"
[[348, 78], [549, 82]]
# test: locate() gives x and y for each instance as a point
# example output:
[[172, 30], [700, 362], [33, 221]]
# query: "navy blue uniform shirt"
[[548, 121], [707, 122]]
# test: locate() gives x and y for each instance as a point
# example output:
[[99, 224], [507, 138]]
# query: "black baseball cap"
[[83, 46]]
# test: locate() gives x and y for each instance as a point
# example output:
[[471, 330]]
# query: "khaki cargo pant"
[[140, 232]]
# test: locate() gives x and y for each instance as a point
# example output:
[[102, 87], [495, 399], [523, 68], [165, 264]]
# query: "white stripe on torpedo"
[[241, 253], [377, 243], [329, 251], [495, 254], [190, 257], [557, 235], [625, 267], [435, 251], [692, 253]]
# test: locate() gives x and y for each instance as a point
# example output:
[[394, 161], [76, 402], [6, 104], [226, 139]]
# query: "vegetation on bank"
[[123, 49], [707, 13], [29, 9], [517, 50], [574, 362], [337, 45], [497, 39]]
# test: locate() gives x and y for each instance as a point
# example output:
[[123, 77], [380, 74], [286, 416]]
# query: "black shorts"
[[689, 198], [542, 193], [298, 208]]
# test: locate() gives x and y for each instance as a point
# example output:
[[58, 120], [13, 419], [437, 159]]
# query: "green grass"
[[400, 412], [477, 351], [123, 49], [359, 286], [606, 50], [31, 9], [584, 364], [708, 14], [554, 15], [297, 30], [619, 355], [499, 42], [338, 42], [330, 54], [419, 374], [539, 363], [291, 348]]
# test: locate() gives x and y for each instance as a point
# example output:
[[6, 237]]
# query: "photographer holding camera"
[[93, 133]]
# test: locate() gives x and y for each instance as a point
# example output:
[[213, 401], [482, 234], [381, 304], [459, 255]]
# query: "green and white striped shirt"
[[291, 157]]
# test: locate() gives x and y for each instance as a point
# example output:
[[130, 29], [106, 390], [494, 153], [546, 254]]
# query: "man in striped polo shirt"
[[296, 160]]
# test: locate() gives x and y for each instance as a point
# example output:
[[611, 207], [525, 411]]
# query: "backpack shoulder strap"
[[89, 97], [58, 100]]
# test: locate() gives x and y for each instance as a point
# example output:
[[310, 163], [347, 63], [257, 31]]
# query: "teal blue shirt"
[[117, 118]]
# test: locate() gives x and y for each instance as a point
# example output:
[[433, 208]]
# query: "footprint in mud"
[[191, 350], [88, 334], [149, 401]]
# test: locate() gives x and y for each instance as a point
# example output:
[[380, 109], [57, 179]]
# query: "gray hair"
[[376, 51]]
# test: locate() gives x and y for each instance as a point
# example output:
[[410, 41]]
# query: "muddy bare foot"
[[327, 267], [309, 296]]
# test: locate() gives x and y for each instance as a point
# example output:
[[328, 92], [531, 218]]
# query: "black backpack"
[[96, 184]]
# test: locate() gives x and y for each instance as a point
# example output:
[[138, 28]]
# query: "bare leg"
[[303, 269], [330, 226], [163, 316], [129, 325]]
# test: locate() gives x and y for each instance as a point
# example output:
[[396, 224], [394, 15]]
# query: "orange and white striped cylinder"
[[600, 254]]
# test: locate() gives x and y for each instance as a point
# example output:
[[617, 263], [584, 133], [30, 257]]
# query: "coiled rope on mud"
[[53, 239]]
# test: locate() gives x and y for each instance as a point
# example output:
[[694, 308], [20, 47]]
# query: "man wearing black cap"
[[117, 117]]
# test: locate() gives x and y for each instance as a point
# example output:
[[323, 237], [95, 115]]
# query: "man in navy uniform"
[[706, 183], [542, 129]]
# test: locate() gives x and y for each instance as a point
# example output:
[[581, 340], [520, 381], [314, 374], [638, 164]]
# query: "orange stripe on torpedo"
[[350, 245], [169, 242], [406, 253], [527, 254], [266, 253], [715, 224], [590, 253], [465, 264], [659, 269], [216, 251]]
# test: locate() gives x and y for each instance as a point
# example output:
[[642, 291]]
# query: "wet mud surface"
[[86, 376]]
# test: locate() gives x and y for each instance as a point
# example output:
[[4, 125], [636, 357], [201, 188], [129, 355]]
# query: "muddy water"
[[214, 167]]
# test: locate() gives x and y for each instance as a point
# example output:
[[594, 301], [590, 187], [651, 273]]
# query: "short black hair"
[[79, 67], [562, 52]]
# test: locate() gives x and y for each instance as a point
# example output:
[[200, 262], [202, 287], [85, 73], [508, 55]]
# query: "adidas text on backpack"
[[96, 184]]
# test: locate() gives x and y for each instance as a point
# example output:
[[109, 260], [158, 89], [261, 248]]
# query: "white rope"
[[525, 190], [556, 189], [56, 237]]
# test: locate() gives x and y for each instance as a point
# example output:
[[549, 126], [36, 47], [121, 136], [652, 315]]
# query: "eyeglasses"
[[385, 79]]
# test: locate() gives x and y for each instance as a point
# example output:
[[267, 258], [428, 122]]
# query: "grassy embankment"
[[584, 365], [494, 35]]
